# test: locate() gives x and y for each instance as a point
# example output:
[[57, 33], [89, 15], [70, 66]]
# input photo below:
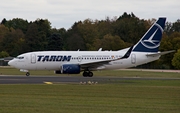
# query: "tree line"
[[18, 36]]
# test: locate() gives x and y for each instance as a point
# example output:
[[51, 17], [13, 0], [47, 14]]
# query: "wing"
[[95, 64]]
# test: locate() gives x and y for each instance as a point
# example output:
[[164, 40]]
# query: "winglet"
[[128, 53], [100, 49]]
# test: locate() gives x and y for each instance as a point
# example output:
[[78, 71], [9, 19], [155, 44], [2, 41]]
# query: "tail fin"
[[150, 42]]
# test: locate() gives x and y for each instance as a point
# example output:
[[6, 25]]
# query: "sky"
[[64, 13]]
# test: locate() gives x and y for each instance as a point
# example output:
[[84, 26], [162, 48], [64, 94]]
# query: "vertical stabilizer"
[[150, 42]]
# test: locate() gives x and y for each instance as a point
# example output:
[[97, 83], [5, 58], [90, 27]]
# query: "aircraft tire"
[[90, 74], [27, 74], [85, 74]]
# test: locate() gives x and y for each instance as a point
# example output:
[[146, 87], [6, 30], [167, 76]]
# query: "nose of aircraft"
[[11, 63]]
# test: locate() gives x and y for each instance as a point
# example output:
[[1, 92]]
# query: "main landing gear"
[[87, 74]]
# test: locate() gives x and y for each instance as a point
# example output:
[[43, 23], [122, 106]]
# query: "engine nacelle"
[[69, 69]]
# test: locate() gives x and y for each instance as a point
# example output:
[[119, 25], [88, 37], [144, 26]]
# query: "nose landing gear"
[[24, 70], [27, 74]]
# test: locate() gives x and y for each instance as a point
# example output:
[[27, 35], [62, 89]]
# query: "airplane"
[[74, 62]]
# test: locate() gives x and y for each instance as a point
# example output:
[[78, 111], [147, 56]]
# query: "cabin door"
[[33, 58], [133, 58]]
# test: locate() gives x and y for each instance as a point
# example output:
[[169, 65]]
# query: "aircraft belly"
[[127, 63], [117, 65]]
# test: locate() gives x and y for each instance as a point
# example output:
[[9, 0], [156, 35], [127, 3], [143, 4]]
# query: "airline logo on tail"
[[150, 42]]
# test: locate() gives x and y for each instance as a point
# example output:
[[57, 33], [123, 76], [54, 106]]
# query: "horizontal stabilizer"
[[160, 53]]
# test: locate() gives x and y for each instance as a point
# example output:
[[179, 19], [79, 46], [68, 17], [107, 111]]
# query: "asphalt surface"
[[19, 79]]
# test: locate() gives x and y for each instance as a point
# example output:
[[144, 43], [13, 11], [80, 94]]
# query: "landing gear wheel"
[[27, 74], [90, 74], [85, 74]]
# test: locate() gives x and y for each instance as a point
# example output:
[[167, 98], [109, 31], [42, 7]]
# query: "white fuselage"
[[53, 60], [72, 62]]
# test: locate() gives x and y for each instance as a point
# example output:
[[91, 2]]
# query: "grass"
[[118, 96], [151, 96], [13, 71]]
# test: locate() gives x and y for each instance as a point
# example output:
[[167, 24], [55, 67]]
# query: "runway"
[[19, 79]]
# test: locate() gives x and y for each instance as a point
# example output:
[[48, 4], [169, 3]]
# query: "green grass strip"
[[123, 96]]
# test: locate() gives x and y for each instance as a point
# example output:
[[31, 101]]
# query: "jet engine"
[[69, 69]]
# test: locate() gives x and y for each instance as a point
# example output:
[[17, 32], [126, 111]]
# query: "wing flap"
[[95, 64]]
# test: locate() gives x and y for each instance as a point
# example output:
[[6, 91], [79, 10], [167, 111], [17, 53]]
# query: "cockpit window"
[[19, 57]]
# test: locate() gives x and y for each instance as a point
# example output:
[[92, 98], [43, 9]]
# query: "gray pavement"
[[19, 79]]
